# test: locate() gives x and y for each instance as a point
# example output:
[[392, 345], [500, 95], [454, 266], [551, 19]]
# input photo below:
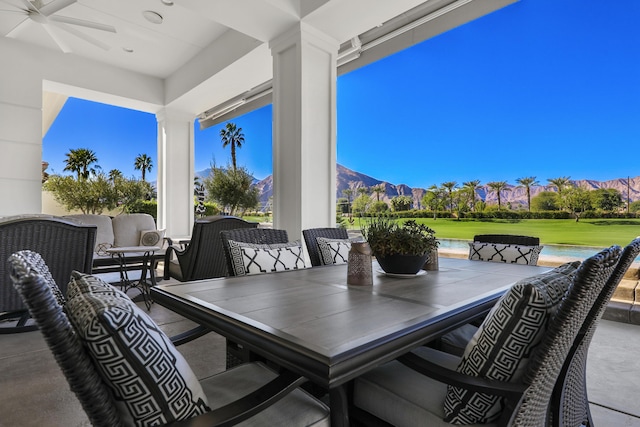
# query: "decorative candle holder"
[[359, 271]]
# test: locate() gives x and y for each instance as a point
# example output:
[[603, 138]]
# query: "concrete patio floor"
[[33, 391]]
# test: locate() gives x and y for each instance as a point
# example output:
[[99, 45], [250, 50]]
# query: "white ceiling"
[[202, 46]]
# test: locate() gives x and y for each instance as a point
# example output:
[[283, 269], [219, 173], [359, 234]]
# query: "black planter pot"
[[402, 264]]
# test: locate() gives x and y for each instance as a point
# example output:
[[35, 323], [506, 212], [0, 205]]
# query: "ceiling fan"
[[36, 11]]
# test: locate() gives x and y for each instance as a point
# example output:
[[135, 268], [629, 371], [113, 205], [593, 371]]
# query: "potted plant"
[[400, 248]]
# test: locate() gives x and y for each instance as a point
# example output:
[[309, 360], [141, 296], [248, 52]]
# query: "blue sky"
[[541, 88]]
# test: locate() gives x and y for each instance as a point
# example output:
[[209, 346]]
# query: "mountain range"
[[347, 178]]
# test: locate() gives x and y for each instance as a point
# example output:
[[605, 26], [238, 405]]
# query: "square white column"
[[304, 130], [175, 172]]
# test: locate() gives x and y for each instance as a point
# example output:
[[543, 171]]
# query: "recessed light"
[[167, 2], [127, 49], [153, 17]]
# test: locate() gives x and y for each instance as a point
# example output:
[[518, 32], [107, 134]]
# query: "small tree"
[[606, 199], [401, 203], [232, 188], [378, 207], [90, 196], [577, 200], [360, 204], [545, 201]]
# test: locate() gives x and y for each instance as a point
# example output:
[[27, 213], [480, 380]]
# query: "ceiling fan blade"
[[82, 36], [18, 12], [56, 38], [16, 30], [51, 8], [82, 23], [28, 6]]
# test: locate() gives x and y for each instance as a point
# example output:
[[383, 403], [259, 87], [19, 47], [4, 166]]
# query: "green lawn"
[[586, 232]]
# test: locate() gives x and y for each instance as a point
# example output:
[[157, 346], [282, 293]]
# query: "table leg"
[[339, 406]]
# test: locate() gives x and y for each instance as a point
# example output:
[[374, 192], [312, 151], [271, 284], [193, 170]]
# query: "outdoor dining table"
[[310, 322]]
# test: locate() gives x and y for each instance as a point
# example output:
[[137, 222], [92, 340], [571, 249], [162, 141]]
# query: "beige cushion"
[[127, 228], [104, 234]]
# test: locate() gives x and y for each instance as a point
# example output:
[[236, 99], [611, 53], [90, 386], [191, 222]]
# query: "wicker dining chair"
[[389, 392], [507, 239], [570, 403], [64, 244], [310, 238], [204, 256], [169, 391], [250, 235]]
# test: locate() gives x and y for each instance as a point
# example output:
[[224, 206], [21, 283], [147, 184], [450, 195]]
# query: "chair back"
[[250, 235], [63, 244], [589, 287], [205, 258], [507, 239], [310, 235], [571, 405], [35, 288]]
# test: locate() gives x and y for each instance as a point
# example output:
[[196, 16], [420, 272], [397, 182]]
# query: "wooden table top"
[[313, 323]]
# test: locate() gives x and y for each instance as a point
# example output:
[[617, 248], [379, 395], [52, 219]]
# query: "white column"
[[175, 172], [20, 140], [304, 130]]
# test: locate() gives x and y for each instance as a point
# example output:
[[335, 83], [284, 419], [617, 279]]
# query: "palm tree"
[[378, 189], [560, 183], [80, 161], [115, 174], [363, 191], [527, 183], [472, 187], [498, 187], [143, 163], [450, 186], [233, 136]]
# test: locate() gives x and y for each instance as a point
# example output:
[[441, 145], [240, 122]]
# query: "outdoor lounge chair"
[[414, 387], [159, 387], [204, 256]]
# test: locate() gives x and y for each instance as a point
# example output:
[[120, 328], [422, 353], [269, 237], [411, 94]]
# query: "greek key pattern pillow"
[[498, 252], [150, 380], [501, 347], [333, 251], [250, 258]]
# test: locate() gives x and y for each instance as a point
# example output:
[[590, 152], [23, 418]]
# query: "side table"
[[144, 256]]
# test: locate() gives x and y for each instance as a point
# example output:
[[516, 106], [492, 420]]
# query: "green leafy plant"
[[387, 237]]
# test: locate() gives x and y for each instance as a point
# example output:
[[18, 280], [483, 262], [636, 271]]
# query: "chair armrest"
[[247, 406], [167, 257], [190, 335], [512, 391]]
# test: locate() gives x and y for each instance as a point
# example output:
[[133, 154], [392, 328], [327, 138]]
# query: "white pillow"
[[333, 251], [151, 237], [251, 258], [499, 252]]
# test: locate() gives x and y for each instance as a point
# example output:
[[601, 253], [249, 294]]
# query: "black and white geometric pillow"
[[499, 252], [151, 237], [502, 345], [150, 380], [251, 258], [333, 251]]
